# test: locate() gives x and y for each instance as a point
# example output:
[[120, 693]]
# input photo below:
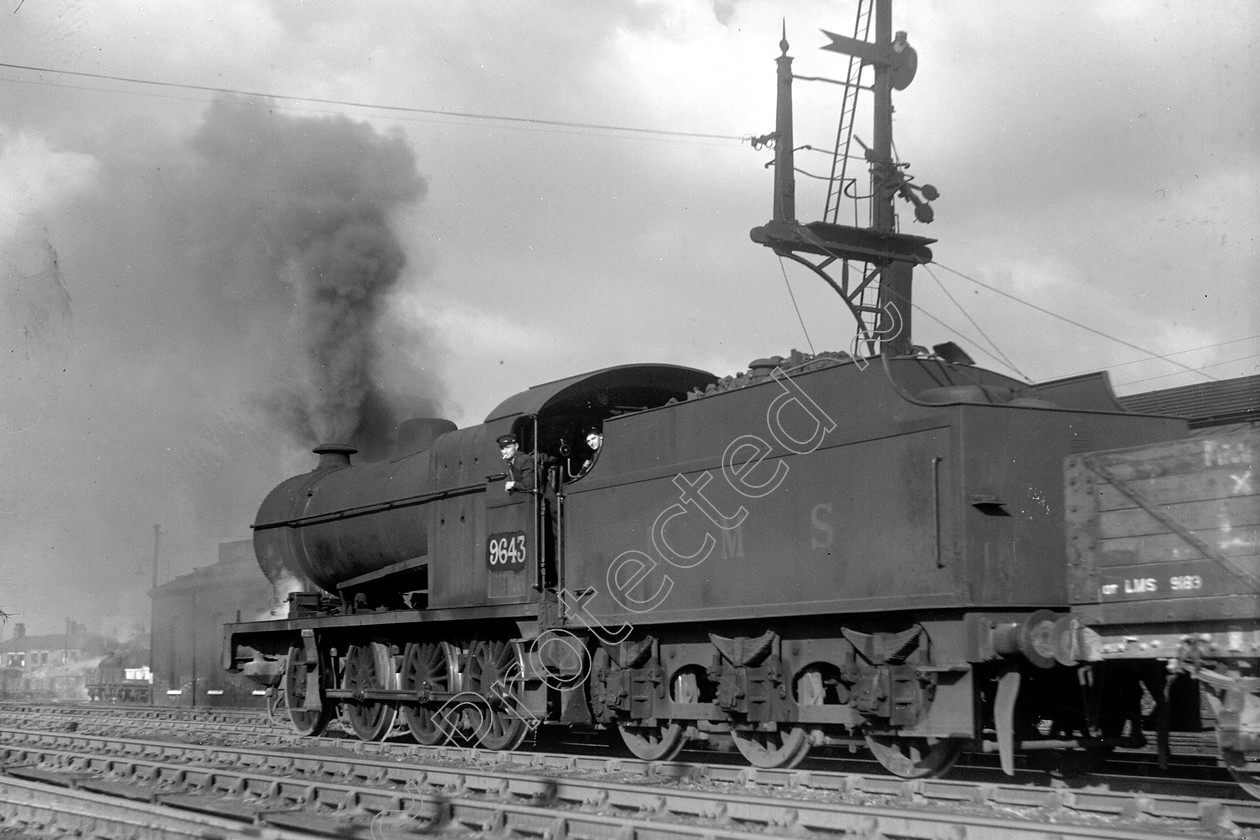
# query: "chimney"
[[19, 630], [333, 456]]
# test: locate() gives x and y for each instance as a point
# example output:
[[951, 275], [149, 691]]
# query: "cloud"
[[36, 178]]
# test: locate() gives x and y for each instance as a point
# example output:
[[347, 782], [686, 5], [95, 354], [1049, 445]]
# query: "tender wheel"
[[1245, 772], [494, 672], [783, 747], [369, 667], [428, 667], [915, 758], [663, 741], [654, 743], [299, 678]]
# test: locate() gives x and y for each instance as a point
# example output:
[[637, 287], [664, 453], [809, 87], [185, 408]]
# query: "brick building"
[[188, 617]]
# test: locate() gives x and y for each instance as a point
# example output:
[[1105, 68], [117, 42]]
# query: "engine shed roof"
[[1204, 404], [608, 391]]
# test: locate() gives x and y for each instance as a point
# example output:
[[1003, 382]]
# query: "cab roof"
[[608, 391]]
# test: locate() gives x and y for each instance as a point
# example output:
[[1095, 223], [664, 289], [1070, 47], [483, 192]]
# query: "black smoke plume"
[[309, 232], [194, 314]]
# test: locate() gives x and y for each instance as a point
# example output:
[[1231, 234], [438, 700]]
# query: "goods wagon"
[[1164, 571]]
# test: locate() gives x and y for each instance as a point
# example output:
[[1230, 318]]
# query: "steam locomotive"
[[121, 677], [898, 550], [820, 551]]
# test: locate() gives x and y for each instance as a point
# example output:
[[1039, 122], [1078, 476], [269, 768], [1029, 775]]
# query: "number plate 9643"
[[506, 552]]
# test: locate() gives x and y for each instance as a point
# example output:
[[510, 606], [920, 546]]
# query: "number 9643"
[[505, 552]]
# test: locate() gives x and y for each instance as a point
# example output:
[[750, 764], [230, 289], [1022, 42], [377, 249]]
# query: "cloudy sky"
[[415, 208]]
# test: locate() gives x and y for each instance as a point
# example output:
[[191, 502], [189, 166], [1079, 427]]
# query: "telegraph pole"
[[157, 541], [157, 537]]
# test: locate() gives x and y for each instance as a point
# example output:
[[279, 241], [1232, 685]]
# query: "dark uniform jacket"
[[521, 471]]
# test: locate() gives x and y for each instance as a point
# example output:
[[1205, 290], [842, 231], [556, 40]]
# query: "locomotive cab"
[[549, 420]]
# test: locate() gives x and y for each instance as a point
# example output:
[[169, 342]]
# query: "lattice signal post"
[[880, 297]]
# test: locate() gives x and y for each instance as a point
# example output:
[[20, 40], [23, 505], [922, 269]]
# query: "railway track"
[[243, 723], [355, 788], [1193, 767], [139, 712], [32, 810]]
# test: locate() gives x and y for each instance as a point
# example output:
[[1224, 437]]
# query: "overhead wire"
[[792, 295], [1197, 370], [1150, 355], [1074, 323], [979, 349], [446, 113], [1006, 359], [414, 118], [1180, 353], [435, 112]]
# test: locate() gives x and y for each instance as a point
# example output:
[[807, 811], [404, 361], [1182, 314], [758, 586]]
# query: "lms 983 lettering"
[[1178, 583]]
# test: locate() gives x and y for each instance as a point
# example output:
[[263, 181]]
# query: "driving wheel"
[[428, 667], [369, 667], [494, 671]]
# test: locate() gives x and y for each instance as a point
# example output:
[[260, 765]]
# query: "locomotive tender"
[[825, 550]]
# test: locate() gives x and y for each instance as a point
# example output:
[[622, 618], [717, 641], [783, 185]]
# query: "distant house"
[[52, 666]]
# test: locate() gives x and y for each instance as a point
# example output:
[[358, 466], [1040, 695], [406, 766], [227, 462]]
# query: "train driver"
[[594, 440], [520, 466]]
